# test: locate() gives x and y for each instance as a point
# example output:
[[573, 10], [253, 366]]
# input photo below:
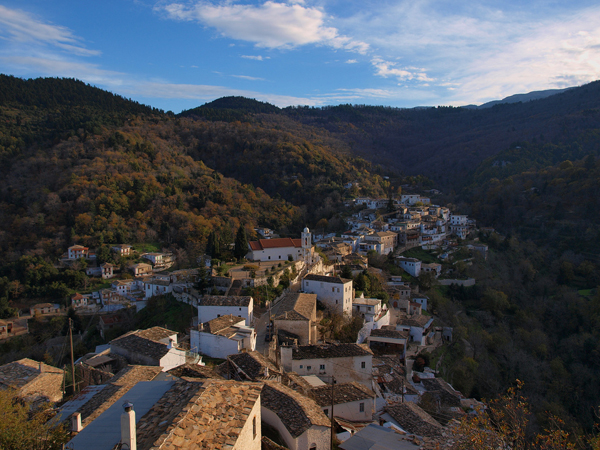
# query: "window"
[[326, 411], [301, 366], [269, 257], [322, 367], [254, 424], [218, 315], [308, 367], [363, 365], [370, 308], [240, 309], [361, 407], [332, 289]]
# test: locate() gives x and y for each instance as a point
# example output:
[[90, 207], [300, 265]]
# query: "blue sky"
[[178, 54]]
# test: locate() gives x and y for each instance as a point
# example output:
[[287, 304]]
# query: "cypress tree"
[[241, 243]]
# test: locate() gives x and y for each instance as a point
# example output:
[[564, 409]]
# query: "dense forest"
[[81, 165]]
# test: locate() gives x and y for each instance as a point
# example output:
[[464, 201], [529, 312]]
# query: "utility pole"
[[332, 403], [72, 358], [402, 390]]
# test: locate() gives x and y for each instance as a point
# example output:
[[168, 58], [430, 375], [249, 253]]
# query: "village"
[[270, 374]]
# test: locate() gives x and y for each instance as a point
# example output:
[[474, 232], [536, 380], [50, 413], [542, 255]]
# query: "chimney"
[[76, 423], [128, 426], [41, 367], [170, 345]]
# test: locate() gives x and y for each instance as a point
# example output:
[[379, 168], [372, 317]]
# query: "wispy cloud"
[[387, 69], [21, 27], [255, 57], [246, 77], [351, 61], [270, 24]]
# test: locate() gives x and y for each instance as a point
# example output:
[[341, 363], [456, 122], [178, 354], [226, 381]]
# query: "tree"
[[24, 427], [241, 243]]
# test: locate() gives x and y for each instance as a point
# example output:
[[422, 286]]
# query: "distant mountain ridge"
[[516, 98]]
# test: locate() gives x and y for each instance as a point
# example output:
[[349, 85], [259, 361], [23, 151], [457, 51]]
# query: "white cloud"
[[256, 58], [246, 77], [351, 61], [387, 69], [270, 25], [21, 27]]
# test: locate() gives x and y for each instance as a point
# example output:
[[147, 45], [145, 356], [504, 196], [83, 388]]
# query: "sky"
[[179, 54]]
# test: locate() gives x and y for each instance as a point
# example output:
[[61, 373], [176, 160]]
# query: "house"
[[140, 269], [206, 414], [152, 286], [419, 327], [412, 419], [421, 299], [281, 249], [412, 266], [367, 308], [434, 268], [249, 366], [122, 249], [335, 292], [107, 270], [352, 401], [410, 199], [223, 336], [266, 233], [34, 381], [155, 346], [108, 322], [389, 373], [296, 314], [155, 258], [389, 341], [123, 287], [77, 251], [212, 306], [386, 240], [347, 362], [298, 419], [42, 309]]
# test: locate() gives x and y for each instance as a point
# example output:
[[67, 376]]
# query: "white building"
[[78, 251], [410, 199], [212, 306], [352, 401], [346, 362], [223, 336], [122, 249], [412, 266], [458, 219], [281, 249], [368, 308], [334, 292]]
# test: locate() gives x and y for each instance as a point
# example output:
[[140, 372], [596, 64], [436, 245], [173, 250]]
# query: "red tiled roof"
[[262, 244]]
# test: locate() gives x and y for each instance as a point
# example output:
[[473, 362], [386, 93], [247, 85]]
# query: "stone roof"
[[297, 306], [253, 364], [194, 371], [394, 334], [156, 333], [342, 393], [414, 420], [220, 300], [134, 343], [200, 415], [326, 279], [222, 326], [414, 321], [34, 380], [297, 412], [330, 351], [366, 301], [443, 391], [116, 387]]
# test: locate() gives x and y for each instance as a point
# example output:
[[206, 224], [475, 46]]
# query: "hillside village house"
[[368, 308], [122, 249], [140, 269], [352, 401], [388, 340], [296, 315], [281, 249], [152, 347], [297, 418], [418, 326], [215, 414], [42, 309], [412, 266], [223, 336], [409, 199], [155, 258], [347, 362], [249, 366], [34, 381], [77, 251], [213, 306], [387, 241], [335, 292]]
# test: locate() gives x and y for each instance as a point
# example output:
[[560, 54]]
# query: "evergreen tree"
[[241, 243], [213, 247]]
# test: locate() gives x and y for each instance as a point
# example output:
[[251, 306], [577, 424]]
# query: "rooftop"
[[297, 412], [394, 334], [414, 321], [135, 343], [156, 333], [343, 393], [222, 325], [194, 371], [220, 300], [325, 279], [263, 244], [304, 305], [20, 373], [367, 301], [414, 420], [330, 351], [253, 364]]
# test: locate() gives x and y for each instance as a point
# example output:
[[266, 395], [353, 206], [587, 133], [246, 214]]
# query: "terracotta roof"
[[262, 244], [343, 393], [208, 415], [297, 306], [325, 279], [42, 305], [116, 387], [253, 364], [297, 412], [414, 420], [330, 351], [221, 300], [111, 318]]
